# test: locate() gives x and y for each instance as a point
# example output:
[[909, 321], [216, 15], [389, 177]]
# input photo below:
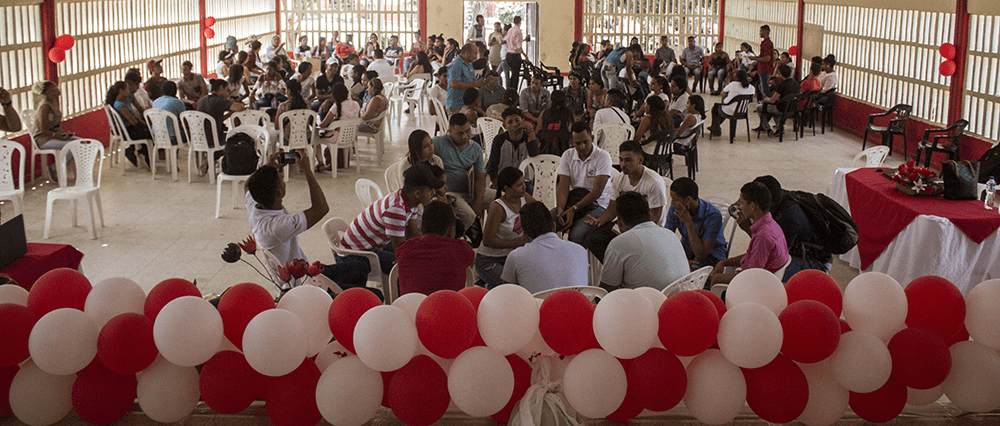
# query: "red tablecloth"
[[881, 212], [42, 258]]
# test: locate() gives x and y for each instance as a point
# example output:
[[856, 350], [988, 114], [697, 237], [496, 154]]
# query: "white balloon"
[[974, 381], [625, 323], [166, 392], [757, 285], [982, 313], [349, 393], [594, 383], [716, 389], [385, 338], [274, 342], [332, 353], [920, 397], [113, 297], [750, 335], [188, 331], [312, 305], [828, 400], [861, 363], [480, 381], [39, 398], [876, 304], [10, 293], [537, 345], [655, 297], [508, 318], [63, 341], [409, 302]]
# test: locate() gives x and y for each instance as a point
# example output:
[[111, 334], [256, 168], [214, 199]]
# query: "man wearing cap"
[[225, 61], [155, 81]]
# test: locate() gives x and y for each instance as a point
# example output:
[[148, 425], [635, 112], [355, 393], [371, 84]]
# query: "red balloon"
[[566, 322], [101, 396], [58, 288], [166, 291], [209, 33], [948, 68], [386, 379], [720, 306], [947, 50], [812, 284], [882, 405], [345, 311], [935, 304], [16, 322], [228, 383], [920, 358], [57, 55], [844, 326], [446, 323], [811, 331], [630, 407], [794, 50], [689, 323], [522, 381], [961, 336], [475, 294], [239, 305], [659, 379], [209, 21], [65, 42], [292, 398], [126, 344], [419, 392], [777, 392], [6, 378]]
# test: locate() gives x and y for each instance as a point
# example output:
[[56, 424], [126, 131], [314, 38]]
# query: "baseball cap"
[[152, 62], [421, 175]]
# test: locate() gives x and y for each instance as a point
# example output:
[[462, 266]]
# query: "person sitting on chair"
[[546, 261], [699, 222], [581, 187], [767, 249], [436, 260], [720, 112], [644, 255], [512, 147]]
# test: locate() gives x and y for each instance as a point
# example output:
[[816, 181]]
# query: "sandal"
[[322, 168]]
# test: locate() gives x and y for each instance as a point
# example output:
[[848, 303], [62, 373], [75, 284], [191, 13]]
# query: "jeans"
[[513, 70], [271, 100], [610, 76], [489, 269], [696, 72], [597, 240], [716, 73], [797, 265], [579, 230], [463, 208], [352, 271], [765, 84], [766, 111]]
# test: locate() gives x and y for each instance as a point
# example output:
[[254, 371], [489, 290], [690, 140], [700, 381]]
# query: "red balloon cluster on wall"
[[63, 43]]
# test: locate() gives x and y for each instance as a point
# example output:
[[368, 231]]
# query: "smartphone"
[[734, 211], [289, 157]]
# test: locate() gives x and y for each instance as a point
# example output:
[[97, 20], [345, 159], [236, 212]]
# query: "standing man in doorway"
[[765, 62], [477, 33], [514, 41]]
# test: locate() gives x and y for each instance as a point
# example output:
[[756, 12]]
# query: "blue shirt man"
[[700, 223], [461, 76], [170, 103]]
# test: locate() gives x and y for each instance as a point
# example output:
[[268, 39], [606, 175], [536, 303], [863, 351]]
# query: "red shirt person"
[[436, 260]]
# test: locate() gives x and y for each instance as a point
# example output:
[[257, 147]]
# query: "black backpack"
[[989, 164], [240, 155], [835, 230]]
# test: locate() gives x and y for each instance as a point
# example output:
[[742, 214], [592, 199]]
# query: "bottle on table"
[[991, 189]]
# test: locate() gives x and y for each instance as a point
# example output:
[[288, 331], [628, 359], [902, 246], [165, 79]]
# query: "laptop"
[[13, 244]]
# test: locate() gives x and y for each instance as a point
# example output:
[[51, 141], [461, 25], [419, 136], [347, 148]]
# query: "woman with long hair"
[[655, 120], [741, 86], [421, 151], [373, 107], [502, 232], [421, 66], [135, 126], [295, 101], [340, 107], [595, 93], [238, 80], [693, 113], [270, 87], [357, 87], [49, 133], [557, 116], [450, 52]]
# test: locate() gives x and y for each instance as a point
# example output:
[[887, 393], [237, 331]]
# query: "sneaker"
[[775, 133]]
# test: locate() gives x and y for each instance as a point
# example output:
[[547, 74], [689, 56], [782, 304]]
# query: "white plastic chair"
[[261, 138], [470, 280], [254, 117], [610, 135], [378, 138], [723, 207], [8, 191], [692, 281], [780, 273], [120, 139], [490, 128], [160, 122], [363, 188], [86, 189], [193, 123], [335, 228], [30, 119], [393, 176], [543, 168], [410, 97], [302, 131], [718, 289], [440, 116], [588, 290], [347, 139], [874, 156]]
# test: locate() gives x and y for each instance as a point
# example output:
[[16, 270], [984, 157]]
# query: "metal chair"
[[543, 169], [896, 126], [335, 228], [30, 119], [161, 122], [693, 281], [874, 156], [86, 189], [363, 188], [931, 144], [9, 191], [741, 113]]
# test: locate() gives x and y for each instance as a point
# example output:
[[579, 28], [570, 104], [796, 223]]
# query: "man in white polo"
[[645, 254], [582, 184], [546, 261]]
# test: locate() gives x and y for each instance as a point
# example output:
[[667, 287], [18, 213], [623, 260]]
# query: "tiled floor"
[[158, 229]]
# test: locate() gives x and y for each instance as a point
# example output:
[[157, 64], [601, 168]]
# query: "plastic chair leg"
[[48, 216], [236, 185], [72, 207], [100, 209], [18, 203], [218, 197], [88, 215]]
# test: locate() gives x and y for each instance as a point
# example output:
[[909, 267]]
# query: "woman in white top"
[[721, 112], [495, 43], [421, 151], [693, 113], [341, 108], [502, 232]]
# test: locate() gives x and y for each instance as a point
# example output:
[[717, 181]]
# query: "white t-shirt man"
[[679, 104], [610, 115], [582, 173], [650, 185], [733, 90], [439, 93], [277, 230], [646, 255], [382, 67], [547, 262]]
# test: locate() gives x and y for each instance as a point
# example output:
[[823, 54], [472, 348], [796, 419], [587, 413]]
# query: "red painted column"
[[961, 42], [422, 20], [277, 17], [801, 22], [201, 37], [722, 21], [578, 21], [48, 17]]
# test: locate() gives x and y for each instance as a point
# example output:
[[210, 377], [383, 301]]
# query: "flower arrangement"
[[917, 181], [288, 276]]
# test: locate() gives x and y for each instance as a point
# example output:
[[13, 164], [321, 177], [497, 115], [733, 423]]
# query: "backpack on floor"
[[989, 164], [835, 230], [240, 155]]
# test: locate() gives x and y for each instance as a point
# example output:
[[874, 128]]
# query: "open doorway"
[[504, 12]]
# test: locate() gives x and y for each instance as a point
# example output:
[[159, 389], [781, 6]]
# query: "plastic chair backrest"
[[490, 128], [363, 188], [115, 124], [590, 291], [441, 115], [335, 228], [301, 123], [193, 123], [898, 123], [543, 168], [425, 77], [85, 153], [7, 149], [30, 119], [417, 83], [160, 122], [742, 105], [393, 177], [692, 281], [611, 135], [260, 135], [249, 117], [723, 207], [780, 273], [874, 156], [347, 131]]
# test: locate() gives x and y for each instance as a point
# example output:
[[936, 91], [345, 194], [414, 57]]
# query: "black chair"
[[554, 142], [790, 111], [896, 126], [690, 152], [552, 74], [742, 113], [807, 112], [699, 82], [951, 135], [660, 160], [825, 108]]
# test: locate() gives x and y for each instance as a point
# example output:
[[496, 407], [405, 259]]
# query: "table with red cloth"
[[42, 258], [909, 237]]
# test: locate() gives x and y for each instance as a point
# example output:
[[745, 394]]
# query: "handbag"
[[960, 180]]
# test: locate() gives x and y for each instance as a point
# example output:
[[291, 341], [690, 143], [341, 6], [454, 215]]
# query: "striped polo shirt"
[[385, 218]]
